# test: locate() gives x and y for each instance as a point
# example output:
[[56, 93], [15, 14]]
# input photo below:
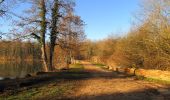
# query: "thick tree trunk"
[[44, 58], [43, 26], [51, 56], [54, 32]]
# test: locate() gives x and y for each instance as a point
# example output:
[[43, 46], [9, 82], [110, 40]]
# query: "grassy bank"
[[101, 66], [59, 86], [153, 80], [45, 91], [76, 67]]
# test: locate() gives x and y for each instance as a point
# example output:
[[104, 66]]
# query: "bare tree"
[[43, 26], [35, 25], [72, 35], [59, 9], [54, 31], [42, 19]]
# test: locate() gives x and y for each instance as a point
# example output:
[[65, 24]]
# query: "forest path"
[[85, 81], [108, 85]]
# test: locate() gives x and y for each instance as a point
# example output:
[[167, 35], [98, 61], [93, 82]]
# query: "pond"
[[12, 70]]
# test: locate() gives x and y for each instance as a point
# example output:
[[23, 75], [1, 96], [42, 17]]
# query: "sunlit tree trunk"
[[42, 34], [44, 58]]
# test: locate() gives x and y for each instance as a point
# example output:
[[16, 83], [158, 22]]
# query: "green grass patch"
[[101, 66], [52, 90], [153, 80], [76, 68]]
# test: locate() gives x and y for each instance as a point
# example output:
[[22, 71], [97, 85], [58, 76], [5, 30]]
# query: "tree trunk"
[[44, 58], [54, 32], [51, 56], [67, 62], [43, 26]]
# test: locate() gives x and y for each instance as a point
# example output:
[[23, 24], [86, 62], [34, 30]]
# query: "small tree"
[[72, 34]]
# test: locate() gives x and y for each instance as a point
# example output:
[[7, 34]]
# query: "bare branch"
[[2, 1], [21, 37], [36, 36]]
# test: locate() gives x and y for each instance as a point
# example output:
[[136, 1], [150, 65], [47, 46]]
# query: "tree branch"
[[36, 36], [24, 36], [2, 12], [2, 1]]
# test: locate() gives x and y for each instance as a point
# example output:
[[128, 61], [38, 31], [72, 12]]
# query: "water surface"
[[13, 69]]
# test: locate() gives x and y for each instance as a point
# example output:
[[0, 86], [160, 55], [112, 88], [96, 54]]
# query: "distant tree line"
[[147, 45], [19, 51]]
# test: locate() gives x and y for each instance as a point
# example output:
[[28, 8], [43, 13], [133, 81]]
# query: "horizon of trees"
[[147, 45]]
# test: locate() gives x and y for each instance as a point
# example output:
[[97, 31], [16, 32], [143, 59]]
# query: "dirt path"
[[107, 85], [92, 83]]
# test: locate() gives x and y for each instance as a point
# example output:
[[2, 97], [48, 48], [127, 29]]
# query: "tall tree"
[[34, 24], [59, 10], [43, 26], [37, 26], [54, 30], [72, 35], [42, 19]]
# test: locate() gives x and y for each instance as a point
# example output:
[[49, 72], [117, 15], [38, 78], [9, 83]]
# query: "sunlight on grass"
[[101, 66], [154, 80], [76, 67], [46, 91]]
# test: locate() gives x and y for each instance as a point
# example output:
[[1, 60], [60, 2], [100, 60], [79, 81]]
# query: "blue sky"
[[104, 17]]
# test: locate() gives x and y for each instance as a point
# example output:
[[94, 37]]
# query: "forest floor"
[[86, 81]]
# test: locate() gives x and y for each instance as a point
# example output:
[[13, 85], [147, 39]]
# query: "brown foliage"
[[146, 46]]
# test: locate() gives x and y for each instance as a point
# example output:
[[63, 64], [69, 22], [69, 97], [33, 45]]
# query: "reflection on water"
[[18, 69], [1, 78]]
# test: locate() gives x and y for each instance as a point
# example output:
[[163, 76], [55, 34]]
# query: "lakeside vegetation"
[[146, 45], [56, 87], [44, 54]]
